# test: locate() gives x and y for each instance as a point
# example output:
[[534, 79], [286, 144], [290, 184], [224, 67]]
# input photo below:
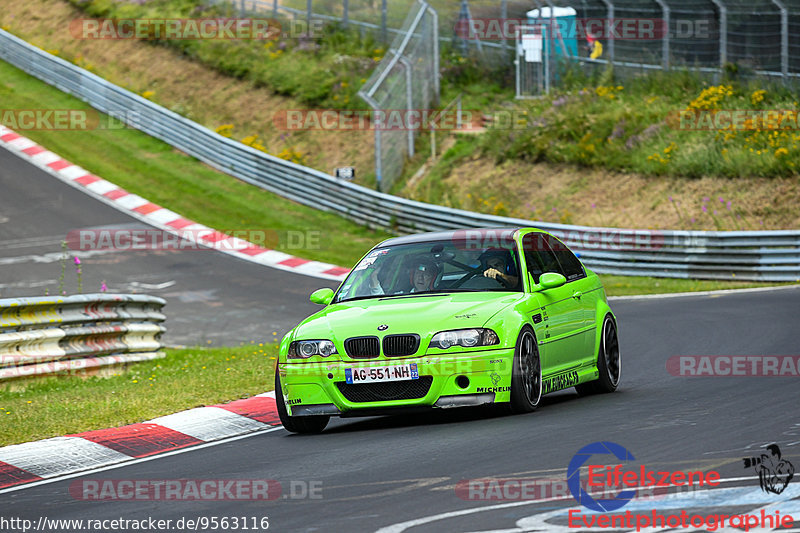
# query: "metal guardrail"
[[741, 255], [46, 335]]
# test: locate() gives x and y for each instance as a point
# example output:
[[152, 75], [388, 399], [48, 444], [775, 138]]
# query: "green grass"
[[632, 285], [324, 70], [38, 408], [153, 169], [598, 121]]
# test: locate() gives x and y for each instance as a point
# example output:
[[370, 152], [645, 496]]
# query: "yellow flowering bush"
[[711, 97]]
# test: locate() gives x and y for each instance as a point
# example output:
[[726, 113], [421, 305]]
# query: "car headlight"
[[305, 349], [464, 337]]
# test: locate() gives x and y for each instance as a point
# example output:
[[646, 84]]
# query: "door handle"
[[577, 295]]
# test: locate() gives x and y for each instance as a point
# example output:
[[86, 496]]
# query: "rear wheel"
[[526, 376], [608, 362], [297, 424]]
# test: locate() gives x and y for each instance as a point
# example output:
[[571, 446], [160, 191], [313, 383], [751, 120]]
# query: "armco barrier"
[[742, 255], [46, 335]]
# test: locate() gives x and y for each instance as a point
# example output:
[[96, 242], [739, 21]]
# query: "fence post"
[[504, 16], [435, 36], [517, 46], [665, 39], [723, 33], [274, 8], [409, 100], [784, 38], [308, 15], [346, 14], [610, 17], [384, 35]]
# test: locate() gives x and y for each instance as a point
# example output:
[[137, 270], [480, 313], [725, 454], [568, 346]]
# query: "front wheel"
[[526, 376], [297, 424], [608, 362]]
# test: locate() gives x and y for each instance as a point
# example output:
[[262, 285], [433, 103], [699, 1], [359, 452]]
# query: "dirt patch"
[[596, 197], [185, 86]]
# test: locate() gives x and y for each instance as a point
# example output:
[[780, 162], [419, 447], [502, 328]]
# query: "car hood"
[[423, 314]]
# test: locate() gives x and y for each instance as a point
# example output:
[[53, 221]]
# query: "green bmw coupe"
[[450, 319]]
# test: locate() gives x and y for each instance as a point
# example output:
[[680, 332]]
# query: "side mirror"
[[324, 296], [551, 280]]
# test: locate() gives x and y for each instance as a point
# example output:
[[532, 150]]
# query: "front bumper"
[[449, 380]]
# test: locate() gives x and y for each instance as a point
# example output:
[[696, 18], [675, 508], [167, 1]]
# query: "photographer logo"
[[774, 473]]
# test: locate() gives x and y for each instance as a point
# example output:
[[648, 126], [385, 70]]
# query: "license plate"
[[381, 373]]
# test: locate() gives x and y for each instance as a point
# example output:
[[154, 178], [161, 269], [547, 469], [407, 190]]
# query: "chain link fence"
[[751, 38], [405, 81]]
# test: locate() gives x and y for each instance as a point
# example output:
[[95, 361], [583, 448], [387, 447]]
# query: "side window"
[[539, 258], [570, 265]]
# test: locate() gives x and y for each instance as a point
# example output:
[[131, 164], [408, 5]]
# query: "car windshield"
[[451, 265]]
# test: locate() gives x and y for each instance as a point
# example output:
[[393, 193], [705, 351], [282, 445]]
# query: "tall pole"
[[665, 38], [784, 38]]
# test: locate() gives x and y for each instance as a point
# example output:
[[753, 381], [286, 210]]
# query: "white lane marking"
[[32, 242], [60, 455], [46, 157], [28, 284], [208, 423], [132, 461], [101, 187], [702, 293], [52, 257], [152, 286], [163, 215], [21, 143], [403, 526], [73, 172], [131, 201], [67, 177]]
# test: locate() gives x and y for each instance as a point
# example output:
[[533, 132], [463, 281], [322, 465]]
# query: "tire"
[[297, 424], [526, 375], [609, 362]]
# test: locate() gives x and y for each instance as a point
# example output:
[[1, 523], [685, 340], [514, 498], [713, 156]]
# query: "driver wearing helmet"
[[498, 265], [422, 277]]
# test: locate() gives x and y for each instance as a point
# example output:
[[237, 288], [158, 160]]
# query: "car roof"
[[504, 232]]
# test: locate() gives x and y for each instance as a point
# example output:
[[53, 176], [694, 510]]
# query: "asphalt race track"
[[400, 472], [210, 296]]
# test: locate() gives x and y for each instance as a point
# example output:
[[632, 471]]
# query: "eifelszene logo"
[[574, 476], [635, 479], [774, 473]]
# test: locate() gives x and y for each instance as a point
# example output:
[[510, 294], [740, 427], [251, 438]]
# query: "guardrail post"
[[308, 15]]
